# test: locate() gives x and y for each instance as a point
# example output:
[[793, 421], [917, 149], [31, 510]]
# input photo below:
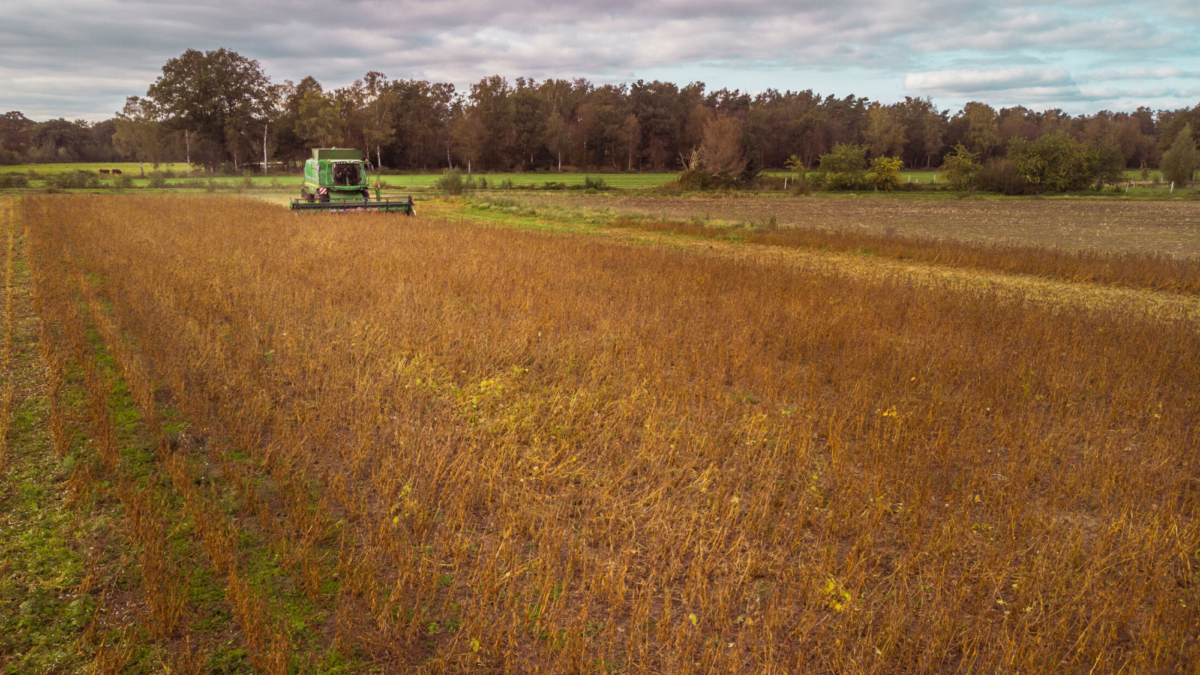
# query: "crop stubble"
[[572, 454], [1070, 224]]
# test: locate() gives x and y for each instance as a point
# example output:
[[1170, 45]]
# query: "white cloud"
[[972, 81], [1143, 74]]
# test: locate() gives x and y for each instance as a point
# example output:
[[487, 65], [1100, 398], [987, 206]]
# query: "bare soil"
[[1171, 227]]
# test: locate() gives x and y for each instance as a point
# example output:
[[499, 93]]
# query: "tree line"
[[220, 109]]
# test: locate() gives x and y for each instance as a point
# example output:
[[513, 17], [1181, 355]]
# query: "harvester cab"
[[335, 179]]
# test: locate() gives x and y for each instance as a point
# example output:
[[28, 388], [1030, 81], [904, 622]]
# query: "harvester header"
[[335, 179]]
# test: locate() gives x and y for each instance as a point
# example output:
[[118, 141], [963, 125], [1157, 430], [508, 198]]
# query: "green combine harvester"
[[335, 179]]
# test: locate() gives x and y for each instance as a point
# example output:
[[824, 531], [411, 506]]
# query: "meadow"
[[352, 442]]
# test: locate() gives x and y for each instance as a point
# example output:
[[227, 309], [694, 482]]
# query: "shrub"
[[227, 169], [961, 168], [842, 168], [74, 180], [451, 181], [696, 180], [1054, 163], [158, 180], [801, 185], [1001, 175], [590, 183], [13, 180], [885, 173], [123, 182]]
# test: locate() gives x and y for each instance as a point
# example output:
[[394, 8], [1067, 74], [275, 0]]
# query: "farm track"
[[1052, 292]]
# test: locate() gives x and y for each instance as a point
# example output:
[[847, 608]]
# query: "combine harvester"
[[335, 179]]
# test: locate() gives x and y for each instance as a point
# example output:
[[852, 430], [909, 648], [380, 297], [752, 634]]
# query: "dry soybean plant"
[[6, 347], [558, 453]]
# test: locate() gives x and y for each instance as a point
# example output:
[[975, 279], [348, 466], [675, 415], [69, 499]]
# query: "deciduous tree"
[[140, 132], [1180, 161], [215, 94]]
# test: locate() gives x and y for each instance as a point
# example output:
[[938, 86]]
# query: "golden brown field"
[[429, 446]]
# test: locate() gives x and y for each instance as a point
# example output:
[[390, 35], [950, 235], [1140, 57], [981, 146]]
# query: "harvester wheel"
[[366, 195], [323, 198], [306, 195]]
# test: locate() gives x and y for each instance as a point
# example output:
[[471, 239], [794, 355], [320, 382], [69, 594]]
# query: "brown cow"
[[116, 172], [103, 171]]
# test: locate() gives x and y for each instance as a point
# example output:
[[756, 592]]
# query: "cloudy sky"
[[81, 58]]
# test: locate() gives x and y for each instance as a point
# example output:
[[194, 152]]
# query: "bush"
[[696, 180], [842, 168], [451, 181], [961, 168], [801, 185], [590, 183], [1054, 163], [885, 173], [13, 180], [74, 180], [158, 180], [1001, 175], [123, 182]]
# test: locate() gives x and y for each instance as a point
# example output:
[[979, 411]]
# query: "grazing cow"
[[103, 171], [116, 172]]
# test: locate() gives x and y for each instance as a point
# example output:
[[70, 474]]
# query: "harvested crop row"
[[144, 502], [6, 347], [232, 545], [64, 333], [570, 454]]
